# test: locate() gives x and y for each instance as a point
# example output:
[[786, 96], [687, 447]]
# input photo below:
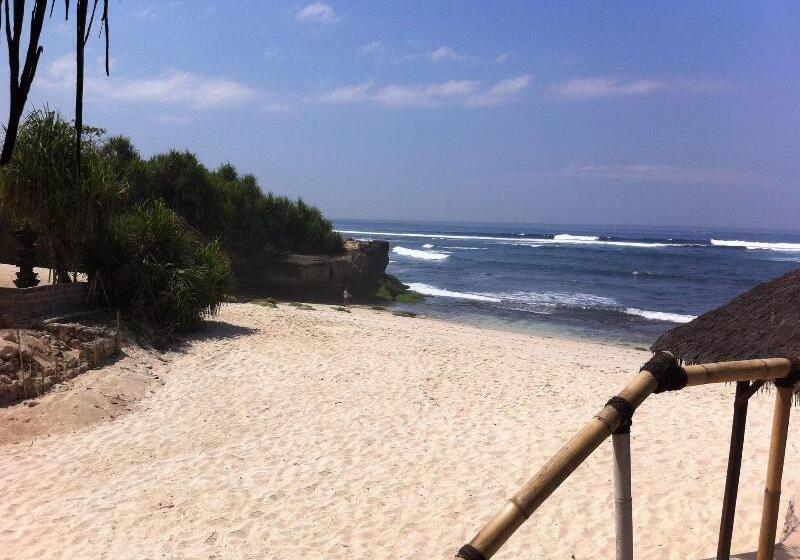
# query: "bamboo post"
[[623, 502], [772, 491], [734, 468]]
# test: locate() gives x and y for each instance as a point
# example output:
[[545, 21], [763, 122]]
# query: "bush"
[[168, 279], [223, 204]]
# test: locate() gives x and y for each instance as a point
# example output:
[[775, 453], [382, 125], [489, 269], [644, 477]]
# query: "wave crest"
[[794, 247], [428, 290], [417, 254]]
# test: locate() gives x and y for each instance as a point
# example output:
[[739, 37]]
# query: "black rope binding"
[[469, 552], [669, 374], [626, 410], [792, 377]]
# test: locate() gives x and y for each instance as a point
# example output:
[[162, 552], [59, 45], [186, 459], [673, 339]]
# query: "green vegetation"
[[377, 308], [167, 277], [41, 187], [268, 302], [157, 235], [222, 204], [340, 308], [392, 289]]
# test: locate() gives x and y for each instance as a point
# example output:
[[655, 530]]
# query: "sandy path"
[[296, 434]]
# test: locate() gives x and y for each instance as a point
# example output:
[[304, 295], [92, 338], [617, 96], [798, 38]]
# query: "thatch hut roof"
[[764, 322]]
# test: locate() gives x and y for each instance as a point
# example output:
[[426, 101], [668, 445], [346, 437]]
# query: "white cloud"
[[499, 93], [468, 93], [611, 87], [502, 57], [445, 53], [645, 172], [176, 87], [369, 48], [606, 87], [318, 12], [193, 90]]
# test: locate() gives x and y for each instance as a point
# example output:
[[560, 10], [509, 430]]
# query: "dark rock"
[[359, 269]]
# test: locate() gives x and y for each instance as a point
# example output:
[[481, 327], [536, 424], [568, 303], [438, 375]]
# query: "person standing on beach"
[[346, 297]]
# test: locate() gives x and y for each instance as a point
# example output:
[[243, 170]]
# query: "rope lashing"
[[669, 374], [793, 376], [626, 410], [469, 552]]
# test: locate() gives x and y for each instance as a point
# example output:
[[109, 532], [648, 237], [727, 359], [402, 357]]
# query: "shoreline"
[[297, 432]]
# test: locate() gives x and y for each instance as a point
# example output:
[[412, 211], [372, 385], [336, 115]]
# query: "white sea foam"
[[795, 247], [558, 299], [467, 248], [428, 290], [565, 239], [428, 246], [537, 302], [568, 237], [416, 254], [660, 315], [584, 301]]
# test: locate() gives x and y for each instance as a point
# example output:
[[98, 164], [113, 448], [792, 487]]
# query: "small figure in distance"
[[346, 297]]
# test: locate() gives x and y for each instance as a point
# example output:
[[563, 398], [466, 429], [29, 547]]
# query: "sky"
[[632, 113]]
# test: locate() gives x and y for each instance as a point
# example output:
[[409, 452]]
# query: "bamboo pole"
[[772, 492], [744, 370], [734, 468], [623, 502]]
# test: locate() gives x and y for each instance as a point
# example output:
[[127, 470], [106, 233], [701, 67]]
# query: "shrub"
[[166, 277]]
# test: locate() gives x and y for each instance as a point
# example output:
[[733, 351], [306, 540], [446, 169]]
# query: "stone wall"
[[19, 307]]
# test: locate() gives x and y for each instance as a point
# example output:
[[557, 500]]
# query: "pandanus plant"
[[69, 207]]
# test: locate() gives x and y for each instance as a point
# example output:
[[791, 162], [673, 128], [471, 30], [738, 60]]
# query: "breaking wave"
[[545, 302], [795, 247], [560, 239], [660, 315], [417, 254], [428, 290]]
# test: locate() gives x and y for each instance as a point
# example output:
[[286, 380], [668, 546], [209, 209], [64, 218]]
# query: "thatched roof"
[[761, 323]]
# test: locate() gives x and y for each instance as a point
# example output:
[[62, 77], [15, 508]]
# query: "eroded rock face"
[[360, 269]]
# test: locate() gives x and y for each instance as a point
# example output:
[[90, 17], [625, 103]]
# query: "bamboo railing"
[[659, 374]]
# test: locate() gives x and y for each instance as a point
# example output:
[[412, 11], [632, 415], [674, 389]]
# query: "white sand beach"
[[285, 433]]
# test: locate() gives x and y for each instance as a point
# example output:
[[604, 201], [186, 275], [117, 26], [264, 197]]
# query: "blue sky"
[[670, 113]]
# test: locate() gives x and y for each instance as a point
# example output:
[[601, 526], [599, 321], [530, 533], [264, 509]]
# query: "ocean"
[[609, 283]]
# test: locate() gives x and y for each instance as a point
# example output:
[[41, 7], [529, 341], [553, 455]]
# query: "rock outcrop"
[[56, 352], [360, 269]]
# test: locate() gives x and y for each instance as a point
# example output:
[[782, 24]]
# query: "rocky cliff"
[[360, 268]]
